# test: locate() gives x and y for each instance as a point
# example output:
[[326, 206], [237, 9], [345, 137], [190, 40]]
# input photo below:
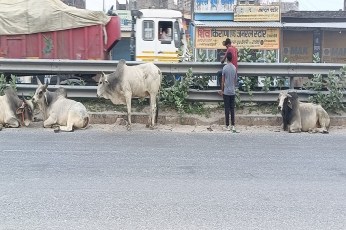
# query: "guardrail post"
[[291, 82]]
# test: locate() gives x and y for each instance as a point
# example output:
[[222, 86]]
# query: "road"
[[106, 178]]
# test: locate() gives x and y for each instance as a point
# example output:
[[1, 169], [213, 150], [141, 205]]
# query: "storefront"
[[315, 41], [250, 27], [334, 46], [297, 46]]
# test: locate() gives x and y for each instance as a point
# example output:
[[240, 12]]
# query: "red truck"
[[92, 42]]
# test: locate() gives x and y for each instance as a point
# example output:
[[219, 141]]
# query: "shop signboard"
[[253, 38], [210, 6], [247, 13]]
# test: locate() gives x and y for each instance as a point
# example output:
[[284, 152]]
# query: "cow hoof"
[[128, 128], [56, 130], [325, 131], [0, 128]]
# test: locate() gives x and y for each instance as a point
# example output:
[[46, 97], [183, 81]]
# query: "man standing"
[[228, 83], [230, 49]]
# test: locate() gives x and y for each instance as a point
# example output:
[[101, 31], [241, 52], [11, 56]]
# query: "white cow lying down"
[[132, 81], [299, 116], [59, 111]]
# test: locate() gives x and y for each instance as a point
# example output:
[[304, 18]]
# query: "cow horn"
[[23, 98], [45, 86], [38, 81]]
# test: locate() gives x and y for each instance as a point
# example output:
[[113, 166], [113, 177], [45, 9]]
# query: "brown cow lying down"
[[302, 117], [14, 111]]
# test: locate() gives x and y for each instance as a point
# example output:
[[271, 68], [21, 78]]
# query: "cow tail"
[[158, 97], [157, 109]]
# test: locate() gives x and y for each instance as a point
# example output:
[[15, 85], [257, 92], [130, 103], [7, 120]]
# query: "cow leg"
[[294, 129], [67, 128], [313, 130], [323, 124], [128, 97], [12, 123], [152, 111], [73, 120], [321, 130], [50, 122]]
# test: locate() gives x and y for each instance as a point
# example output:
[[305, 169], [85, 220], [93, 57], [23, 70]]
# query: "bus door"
[[167, 37], [145, 40]]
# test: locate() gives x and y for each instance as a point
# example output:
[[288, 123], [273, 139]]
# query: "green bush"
[[330, 90], [175, 96]]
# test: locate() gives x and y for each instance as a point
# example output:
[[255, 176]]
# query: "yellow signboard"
[[248, 13], [257, 38]]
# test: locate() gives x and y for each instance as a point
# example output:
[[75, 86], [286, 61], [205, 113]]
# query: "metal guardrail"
[[56, 66], [194, 95]]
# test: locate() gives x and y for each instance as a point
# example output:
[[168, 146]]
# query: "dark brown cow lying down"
[[302, 117]]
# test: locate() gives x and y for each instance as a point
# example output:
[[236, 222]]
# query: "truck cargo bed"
[[85, 43]]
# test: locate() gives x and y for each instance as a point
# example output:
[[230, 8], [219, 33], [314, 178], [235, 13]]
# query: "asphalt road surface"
[[108, 178]]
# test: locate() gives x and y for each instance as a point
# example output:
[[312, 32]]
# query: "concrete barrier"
[[165, 119]]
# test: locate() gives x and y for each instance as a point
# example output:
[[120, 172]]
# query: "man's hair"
[[227, 42], [229, 56]]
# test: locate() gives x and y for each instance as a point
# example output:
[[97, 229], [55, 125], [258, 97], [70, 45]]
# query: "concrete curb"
[[241, 119]]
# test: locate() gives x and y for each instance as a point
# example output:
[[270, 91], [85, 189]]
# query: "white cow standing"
[[132, 81], [58, 110]]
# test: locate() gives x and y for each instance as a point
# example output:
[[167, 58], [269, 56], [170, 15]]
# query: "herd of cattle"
[[120, 87]]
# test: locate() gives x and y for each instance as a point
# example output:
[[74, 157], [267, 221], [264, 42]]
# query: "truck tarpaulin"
[[35, 16]]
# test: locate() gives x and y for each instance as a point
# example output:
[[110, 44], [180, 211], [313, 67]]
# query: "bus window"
[[165, 30], [148, 30]]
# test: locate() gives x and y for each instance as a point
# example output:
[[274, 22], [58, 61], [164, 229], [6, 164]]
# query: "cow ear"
[[23, 98], [45, 98]]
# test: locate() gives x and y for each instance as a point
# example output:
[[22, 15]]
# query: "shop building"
[[314, 36]]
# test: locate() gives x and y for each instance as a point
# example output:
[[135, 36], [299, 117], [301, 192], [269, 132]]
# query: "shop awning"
[[237, 24], [331, 25]]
